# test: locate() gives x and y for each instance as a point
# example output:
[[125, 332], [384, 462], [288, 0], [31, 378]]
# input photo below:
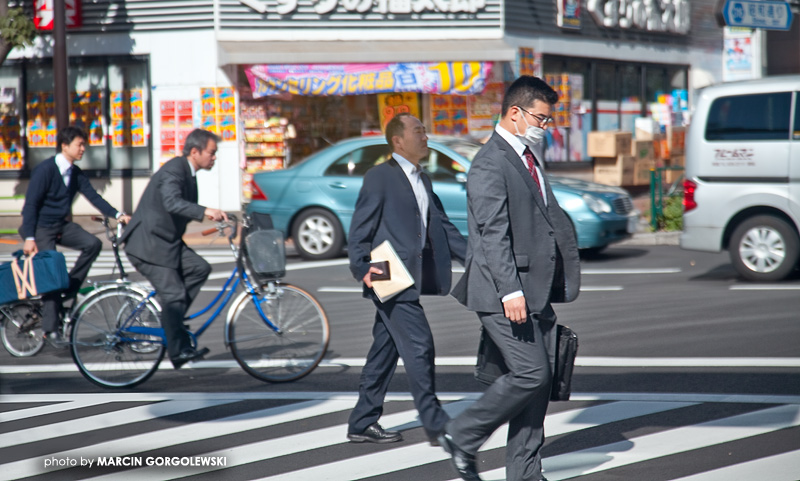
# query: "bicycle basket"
[[266, 253]]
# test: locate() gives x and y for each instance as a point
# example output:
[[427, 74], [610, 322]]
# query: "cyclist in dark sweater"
[[47, 217]]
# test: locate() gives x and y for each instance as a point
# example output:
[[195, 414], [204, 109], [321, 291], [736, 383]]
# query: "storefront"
[[160, 71]]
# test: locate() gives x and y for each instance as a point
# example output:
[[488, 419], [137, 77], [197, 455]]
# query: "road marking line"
[[581, 361], [102, 421], [781, 467], [352, 397], [61, 406], [420, 454], [764, 287], [666, 270], [179, 435], [673, 441], [358, 290]]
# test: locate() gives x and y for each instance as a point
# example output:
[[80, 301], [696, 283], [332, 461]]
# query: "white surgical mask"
[[532, 136]]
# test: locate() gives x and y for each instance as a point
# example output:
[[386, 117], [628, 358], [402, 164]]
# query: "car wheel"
[[592, 251], [317, 234], [764, 248]]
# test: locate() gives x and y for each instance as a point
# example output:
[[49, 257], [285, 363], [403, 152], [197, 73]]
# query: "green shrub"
[[671, 218]]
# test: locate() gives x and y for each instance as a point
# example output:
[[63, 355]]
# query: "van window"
[[750, 117]]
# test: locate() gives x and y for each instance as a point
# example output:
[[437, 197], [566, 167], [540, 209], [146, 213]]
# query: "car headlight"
[[597, 205]]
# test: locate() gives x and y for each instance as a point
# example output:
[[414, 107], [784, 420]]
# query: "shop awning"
[[233, 53]]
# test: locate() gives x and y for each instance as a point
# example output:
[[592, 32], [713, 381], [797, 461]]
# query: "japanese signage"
[[127, 119], [449, 115], [218, 111], [459, 78], [390, 105], [11, 153], [761, 14], [569, 14], [322, 7], [87, 114], [177, 121], [44, 13], [671, 16]]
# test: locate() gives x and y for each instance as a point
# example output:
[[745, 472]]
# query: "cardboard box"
[[641, 171], [646, 128], [676, 140], [614, 171], [643, 150], [671, 175], [609, 144]]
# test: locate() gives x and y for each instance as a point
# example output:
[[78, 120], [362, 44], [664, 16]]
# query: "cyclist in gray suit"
[[154, 239]]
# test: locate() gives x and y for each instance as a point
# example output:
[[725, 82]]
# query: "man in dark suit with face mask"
[[521, 257]]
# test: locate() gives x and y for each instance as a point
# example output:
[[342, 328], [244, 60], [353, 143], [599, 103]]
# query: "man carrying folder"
[[396, 204]]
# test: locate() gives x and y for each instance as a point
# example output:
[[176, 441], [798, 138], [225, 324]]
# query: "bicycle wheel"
[[21, 330], [108, 356], [282, 356]]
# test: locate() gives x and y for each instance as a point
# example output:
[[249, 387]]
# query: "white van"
[[742, 187]]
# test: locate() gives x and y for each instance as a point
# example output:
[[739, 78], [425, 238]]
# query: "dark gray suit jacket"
[[514, 238], [155, 232], [387, 209]]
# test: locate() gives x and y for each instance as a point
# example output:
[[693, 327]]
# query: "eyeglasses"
[[543, 121]]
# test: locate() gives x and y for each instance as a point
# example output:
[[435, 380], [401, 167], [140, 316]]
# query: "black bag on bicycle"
[[266, 253]]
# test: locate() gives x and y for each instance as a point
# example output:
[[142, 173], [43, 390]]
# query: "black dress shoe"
[[462, 461], [375, 434], [187, 355]]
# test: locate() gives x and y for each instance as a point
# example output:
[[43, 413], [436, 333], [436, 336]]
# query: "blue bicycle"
[[276, 332]]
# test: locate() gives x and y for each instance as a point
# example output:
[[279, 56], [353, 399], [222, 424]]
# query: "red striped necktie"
[[531, 167]]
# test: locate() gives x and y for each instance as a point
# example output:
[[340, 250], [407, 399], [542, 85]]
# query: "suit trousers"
[[519, 397], [67, 234], [400, 330], [176, 289]]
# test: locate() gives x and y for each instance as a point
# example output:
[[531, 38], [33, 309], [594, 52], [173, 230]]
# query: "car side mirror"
[[461, 177]]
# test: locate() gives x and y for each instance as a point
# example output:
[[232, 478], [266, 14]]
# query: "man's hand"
[[124, 219], [368, 278], [216, 215], [515, 309], [29, 248]]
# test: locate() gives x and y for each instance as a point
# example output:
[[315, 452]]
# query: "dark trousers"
[[519, 397], [400, 330], [176, 289], [67, 234]]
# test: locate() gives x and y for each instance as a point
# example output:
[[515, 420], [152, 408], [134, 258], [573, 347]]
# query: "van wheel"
[[318, 235], [764, 248]]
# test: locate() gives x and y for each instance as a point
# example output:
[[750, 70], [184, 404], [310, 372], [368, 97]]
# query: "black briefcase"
[[566, 350], [490, 363]]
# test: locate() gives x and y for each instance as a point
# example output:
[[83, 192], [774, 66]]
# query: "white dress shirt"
[[64, 167], [413, 173]]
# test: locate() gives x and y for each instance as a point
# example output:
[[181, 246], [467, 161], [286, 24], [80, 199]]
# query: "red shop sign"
[[44, 13]]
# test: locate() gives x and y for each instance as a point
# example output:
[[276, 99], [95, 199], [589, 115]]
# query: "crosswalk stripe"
[[272, 448], [194, 432], [304, 405], [48, 409], [420, 454], [673, 441], [781, 467], [102, 421]]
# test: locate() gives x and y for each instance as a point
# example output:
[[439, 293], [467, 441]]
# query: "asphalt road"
[[672, 342]]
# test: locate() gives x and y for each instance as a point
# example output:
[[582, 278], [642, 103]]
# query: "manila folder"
[[400, 278]]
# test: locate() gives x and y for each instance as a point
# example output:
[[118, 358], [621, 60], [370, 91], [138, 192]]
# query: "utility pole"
[[60, 60]]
